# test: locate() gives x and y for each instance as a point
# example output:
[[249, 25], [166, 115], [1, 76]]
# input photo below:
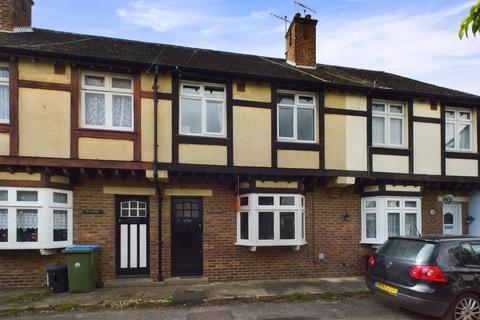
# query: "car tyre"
[[465, 306]]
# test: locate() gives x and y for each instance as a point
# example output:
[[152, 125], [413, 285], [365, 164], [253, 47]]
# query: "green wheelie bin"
[[82, 264]]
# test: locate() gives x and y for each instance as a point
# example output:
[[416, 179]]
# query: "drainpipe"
[[155, 173]]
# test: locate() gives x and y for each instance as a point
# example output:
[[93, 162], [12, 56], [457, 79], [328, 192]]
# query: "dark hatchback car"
[[436, 276]]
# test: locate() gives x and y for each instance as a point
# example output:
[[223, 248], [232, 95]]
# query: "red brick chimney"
[[15, 14], [301, 41]]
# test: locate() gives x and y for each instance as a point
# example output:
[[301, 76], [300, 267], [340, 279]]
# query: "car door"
[[469, 273]]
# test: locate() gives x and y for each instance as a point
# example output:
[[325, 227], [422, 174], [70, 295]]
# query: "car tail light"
[[371, 262], [430, 273]]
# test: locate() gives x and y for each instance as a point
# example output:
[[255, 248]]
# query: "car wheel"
[[465, 307]]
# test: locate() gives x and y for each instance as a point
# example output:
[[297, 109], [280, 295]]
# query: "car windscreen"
[[410, 250]]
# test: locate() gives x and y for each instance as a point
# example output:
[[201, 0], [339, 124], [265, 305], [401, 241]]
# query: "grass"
[[25, 296]]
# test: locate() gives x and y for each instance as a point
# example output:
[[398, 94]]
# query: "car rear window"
[[411, 250]]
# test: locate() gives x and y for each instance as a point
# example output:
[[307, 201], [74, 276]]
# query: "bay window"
[[107, 102], [388, 123], [35, 218], [384, 217], [296, 117], [271, 220], [4, 94], [458, 129], [202, 109]]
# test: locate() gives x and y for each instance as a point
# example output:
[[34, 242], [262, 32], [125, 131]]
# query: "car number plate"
[[386, 287]]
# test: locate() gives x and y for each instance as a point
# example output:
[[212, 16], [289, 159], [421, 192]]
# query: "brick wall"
[[326, 232]]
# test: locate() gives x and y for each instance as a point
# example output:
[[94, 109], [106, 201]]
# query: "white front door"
[[452, 222]]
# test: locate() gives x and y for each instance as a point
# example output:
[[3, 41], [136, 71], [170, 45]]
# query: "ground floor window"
[[271, 220], [35, 218], [384, 217]]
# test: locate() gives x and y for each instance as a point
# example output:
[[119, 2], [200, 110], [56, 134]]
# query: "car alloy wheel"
[[467, 308]]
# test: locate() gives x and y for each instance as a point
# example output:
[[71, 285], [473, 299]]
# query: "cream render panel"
[[342, 100], [4, 144], [389, 163], [105, 149], [254, 91], [335, 142], [427, 152], [164, 130], [461, 167], [44, 123], [202, 154], [423, 109], [252, 137], [356, 143], [42, 71], [164, 82], [298, 159]]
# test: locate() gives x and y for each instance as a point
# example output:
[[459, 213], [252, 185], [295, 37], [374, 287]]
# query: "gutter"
[[158, 190]]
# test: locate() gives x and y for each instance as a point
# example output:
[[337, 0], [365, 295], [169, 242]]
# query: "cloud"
[[413, 41]]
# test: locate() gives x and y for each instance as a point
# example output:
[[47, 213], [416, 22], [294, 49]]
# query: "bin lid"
[[81, 248]]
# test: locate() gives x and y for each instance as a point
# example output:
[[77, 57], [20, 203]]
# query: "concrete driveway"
[[361, 309]]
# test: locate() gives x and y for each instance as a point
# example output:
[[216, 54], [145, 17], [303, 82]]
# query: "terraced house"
[[192, 162]]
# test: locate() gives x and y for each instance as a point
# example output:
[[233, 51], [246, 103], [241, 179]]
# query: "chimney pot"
[[301, 42], [15, 15]]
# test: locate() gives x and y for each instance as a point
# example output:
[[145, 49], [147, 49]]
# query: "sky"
[[412, 38]]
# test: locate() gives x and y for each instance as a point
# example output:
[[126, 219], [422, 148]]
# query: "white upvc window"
[[107, 101], [388, 123], [35, 218], [296, 117], [271, 220], [458, 129], [390, 216], [202, 109], [4, 94]]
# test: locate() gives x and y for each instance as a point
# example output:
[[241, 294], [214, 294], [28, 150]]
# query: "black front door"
[[187, 257], [132, 235]]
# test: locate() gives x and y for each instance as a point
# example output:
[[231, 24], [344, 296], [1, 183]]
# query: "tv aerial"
[[284, 19], [304, 7]]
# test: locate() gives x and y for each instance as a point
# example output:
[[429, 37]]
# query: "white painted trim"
[[457, 122], [387, 115], [458, 220]]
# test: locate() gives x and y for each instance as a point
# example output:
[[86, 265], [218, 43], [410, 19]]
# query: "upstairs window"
[[458, 129], [107, 102], [4, 95], [202, 109], [388, 124], [296, 117]]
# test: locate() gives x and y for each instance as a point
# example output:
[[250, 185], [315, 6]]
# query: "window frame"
[[382, 210], [45, 212], [297, 105], [387, 115], [456, 122], [6, 82], [108, 91], [254, 209], [201, 96]]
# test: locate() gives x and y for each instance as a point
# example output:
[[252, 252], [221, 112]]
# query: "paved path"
[[361, 309]]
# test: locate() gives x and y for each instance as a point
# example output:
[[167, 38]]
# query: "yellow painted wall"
[[461, 167], [423, 109], [252, 137], [388, 163], [44, 123], [20, 176], [427, 148], [356, 143], [164, 130], [278, 184], [60, 179], [164, 82], [4, 144], [398, 188], [335, 142], [41, 71], [254, 90], [105, 149], [343, 100], [202, 154], [298, 159]]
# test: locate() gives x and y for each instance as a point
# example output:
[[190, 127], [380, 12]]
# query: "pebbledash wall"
[[326, 232]]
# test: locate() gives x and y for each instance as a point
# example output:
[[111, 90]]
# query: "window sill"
[[273, 243], [34, 245], [201, 139], [105, 133], [296, 145]]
